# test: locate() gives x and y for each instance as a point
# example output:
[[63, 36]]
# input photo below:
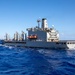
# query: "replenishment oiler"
[[42, 37]]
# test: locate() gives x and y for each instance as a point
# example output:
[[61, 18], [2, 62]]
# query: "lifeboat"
[[32, 37]]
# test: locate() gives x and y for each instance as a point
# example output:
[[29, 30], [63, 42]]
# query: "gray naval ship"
[[43, 37]]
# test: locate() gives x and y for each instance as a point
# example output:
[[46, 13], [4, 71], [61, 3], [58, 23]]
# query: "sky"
[[18, 15]]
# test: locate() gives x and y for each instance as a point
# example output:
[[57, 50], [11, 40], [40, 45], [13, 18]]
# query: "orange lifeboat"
[[32, 37]]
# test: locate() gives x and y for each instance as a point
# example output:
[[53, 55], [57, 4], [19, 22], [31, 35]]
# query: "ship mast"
[[38, 21]]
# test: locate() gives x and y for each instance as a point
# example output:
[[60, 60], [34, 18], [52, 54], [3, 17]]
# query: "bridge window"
[[68, 43]]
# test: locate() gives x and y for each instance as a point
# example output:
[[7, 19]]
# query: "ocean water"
[[26, 61]]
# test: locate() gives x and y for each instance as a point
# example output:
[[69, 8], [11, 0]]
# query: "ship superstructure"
[[44, 33]]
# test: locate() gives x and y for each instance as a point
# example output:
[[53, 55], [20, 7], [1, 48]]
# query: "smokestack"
[[44, 23]]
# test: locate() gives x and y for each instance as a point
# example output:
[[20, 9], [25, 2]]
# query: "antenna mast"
[[38, 21]]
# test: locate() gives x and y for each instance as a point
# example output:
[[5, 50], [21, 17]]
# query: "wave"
[[26, 61]]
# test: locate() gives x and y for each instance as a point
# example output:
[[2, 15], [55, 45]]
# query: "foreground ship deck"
[[42, 37]]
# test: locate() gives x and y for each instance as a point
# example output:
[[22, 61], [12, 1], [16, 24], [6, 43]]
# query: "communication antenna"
[[38, 21]]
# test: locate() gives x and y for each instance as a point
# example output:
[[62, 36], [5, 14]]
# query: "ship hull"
[[15, 43], [51, 45], [43, 44]]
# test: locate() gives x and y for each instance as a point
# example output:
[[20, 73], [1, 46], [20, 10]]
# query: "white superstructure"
[[44, 33]]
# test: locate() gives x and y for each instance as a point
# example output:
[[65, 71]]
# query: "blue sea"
[[27, 61]]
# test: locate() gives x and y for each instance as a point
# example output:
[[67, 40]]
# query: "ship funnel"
[[44, 23]]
